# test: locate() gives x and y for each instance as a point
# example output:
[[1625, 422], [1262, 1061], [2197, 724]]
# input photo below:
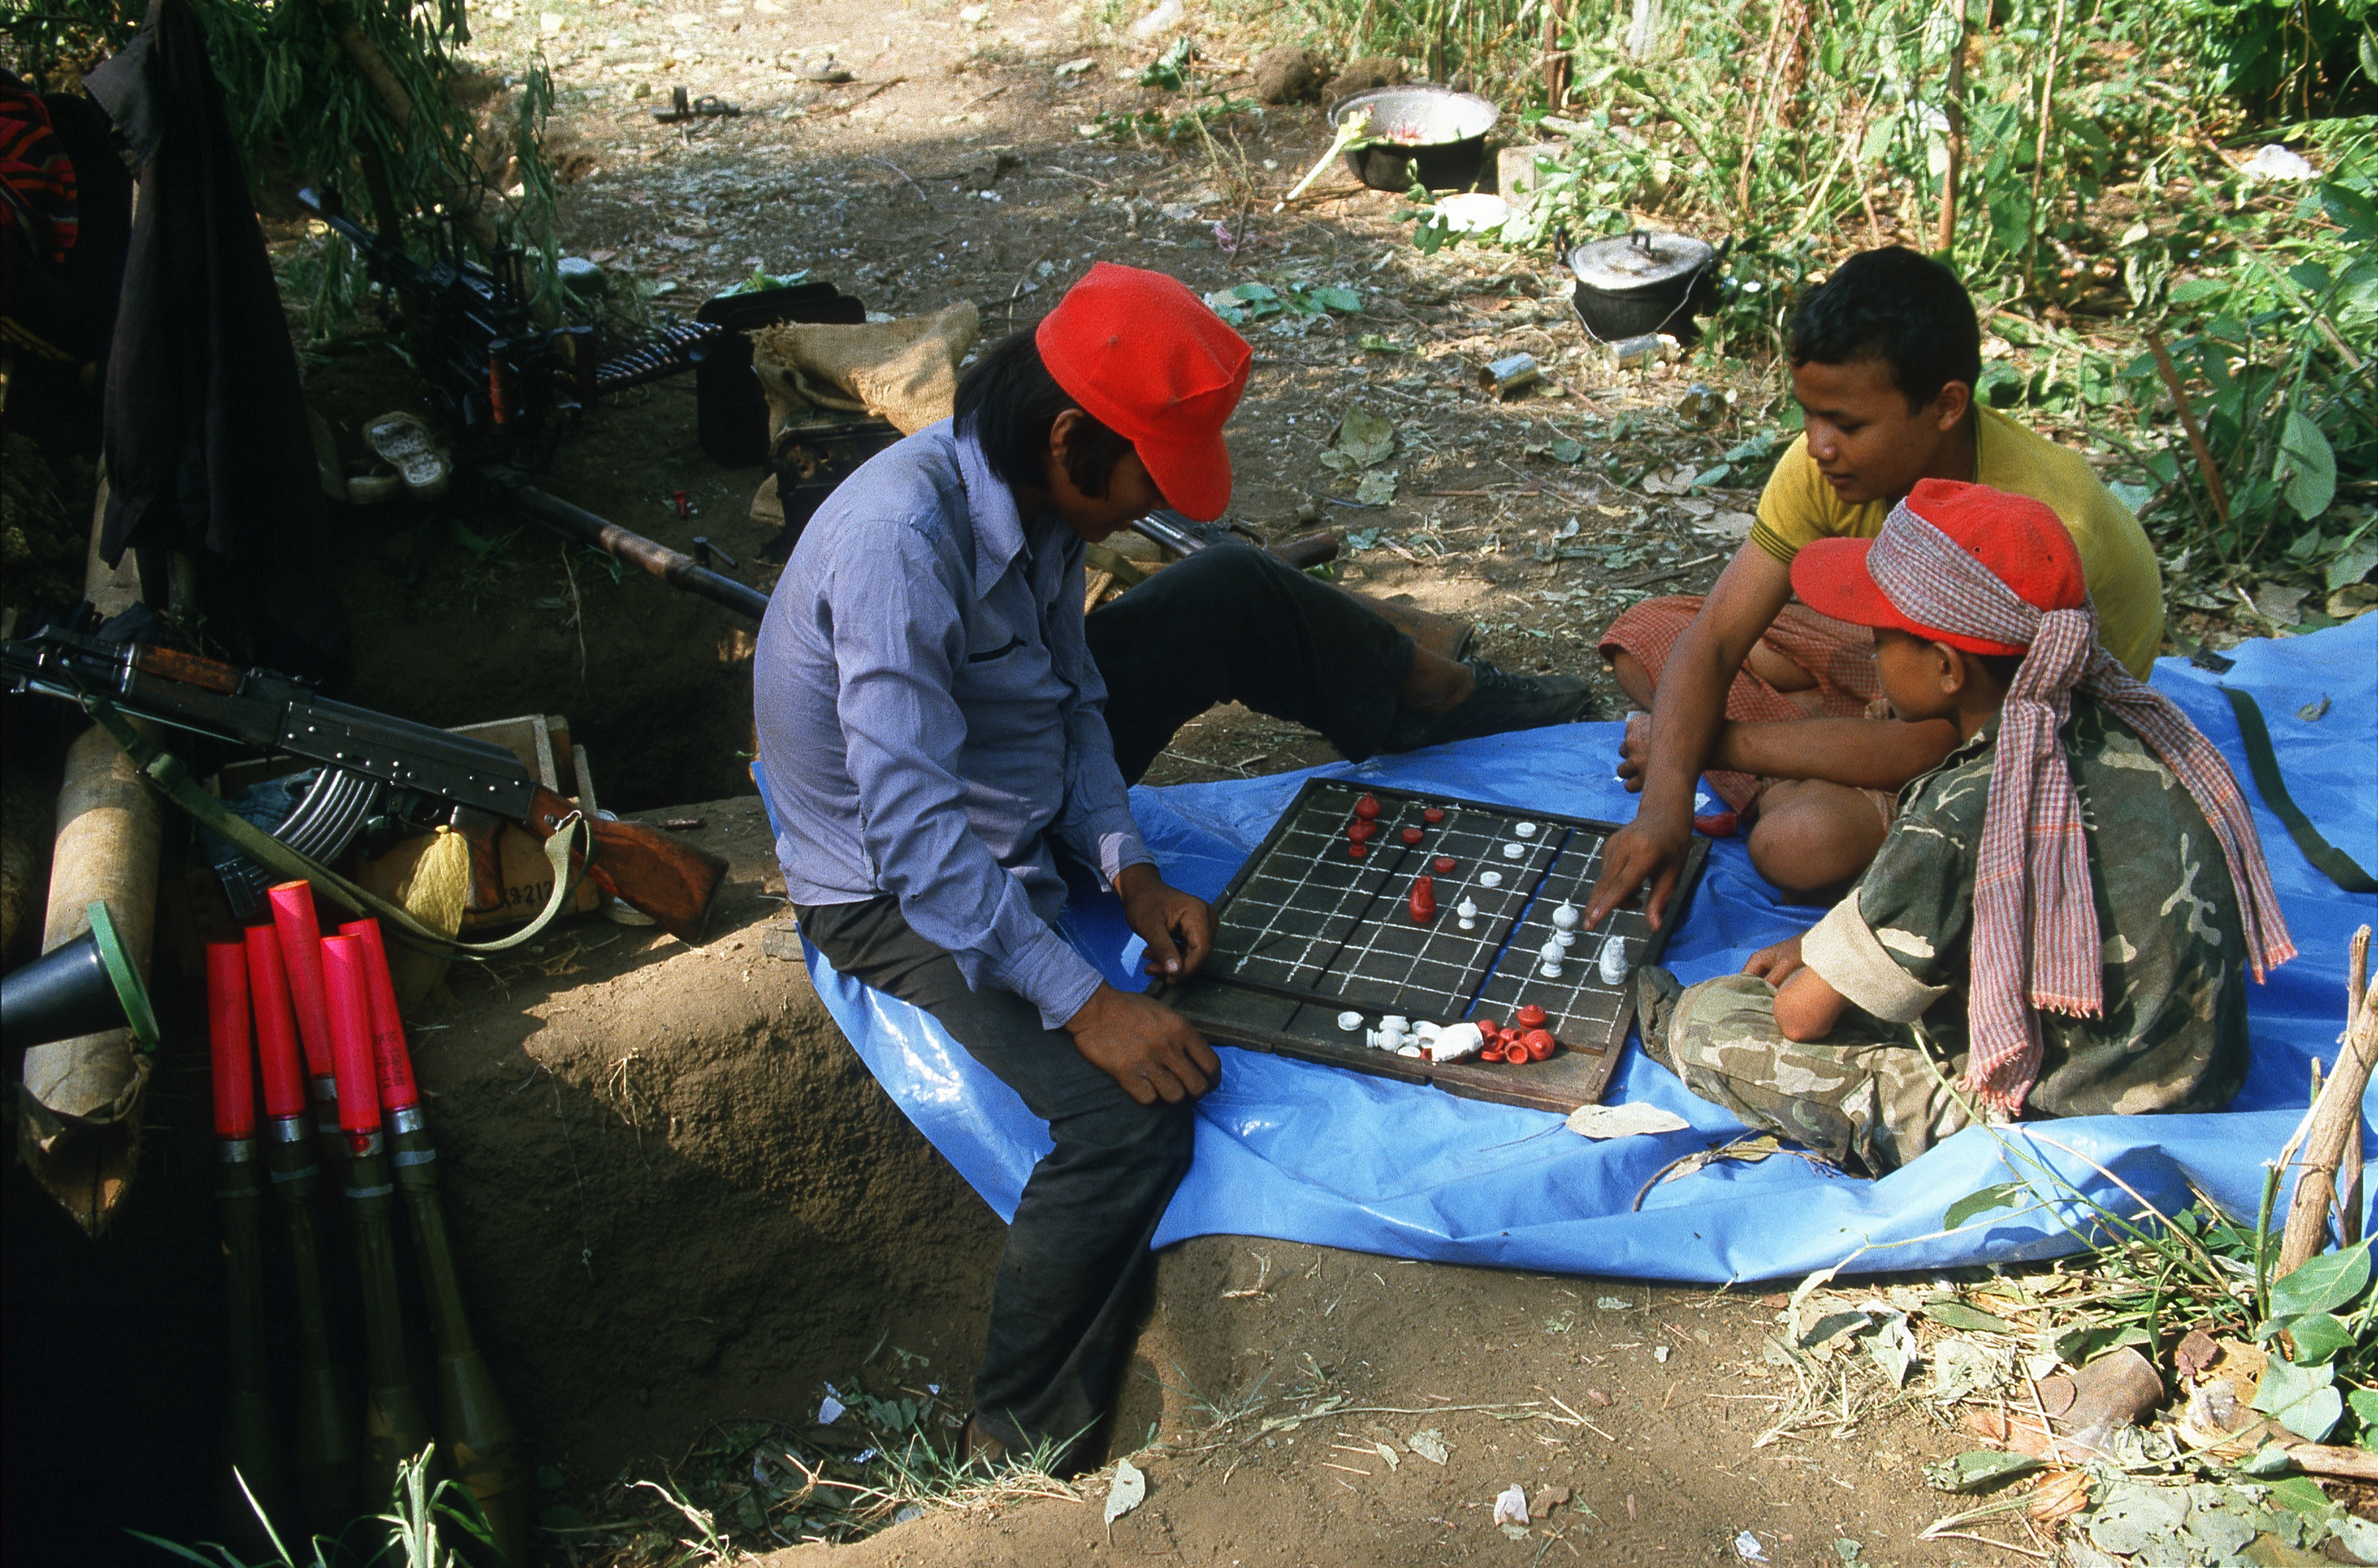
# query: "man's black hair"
[[1906, 310], [1009, 402]]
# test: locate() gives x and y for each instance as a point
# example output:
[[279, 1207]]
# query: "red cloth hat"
[[2020, 541], [1146, 359]]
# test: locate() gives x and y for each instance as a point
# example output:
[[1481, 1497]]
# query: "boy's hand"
[[1650, 849], [1775, 965], [1144, 1046], [1178, 927], [1635, 752]]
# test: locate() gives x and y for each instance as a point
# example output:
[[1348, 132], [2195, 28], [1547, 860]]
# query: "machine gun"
[[373, 769], [506, 383]]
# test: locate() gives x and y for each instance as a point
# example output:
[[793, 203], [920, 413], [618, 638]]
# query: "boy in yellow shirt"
[[1775, 702]]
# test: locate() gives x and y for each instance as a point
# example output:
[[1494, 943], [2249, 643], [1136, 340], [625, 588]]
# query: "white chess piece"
[[1349, 1021], [1456, 1041], [1564, 921], [1467, 911], [1614, 960], [1394, 1023], [1490, 879], [1551, 955]]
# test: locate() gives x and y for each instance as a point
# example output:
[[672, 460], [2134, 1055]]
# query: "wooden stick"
[[2349, 1171], [2327, 1459], [2337, 1112], [1953, 105], [2187, 422], [2039, 153]]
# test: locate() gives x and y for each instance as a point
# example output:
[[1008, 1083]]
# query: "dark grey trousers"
[[1236, 624], [1065, 1305]]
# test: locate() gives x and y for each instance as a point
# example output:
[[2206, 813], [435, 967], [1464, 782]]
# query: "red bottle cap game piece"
[[227, 1036], [1488, 1027], [350, 1007], [1412, 835], [1538, 1042], [1361, 832], [1444, 865], [1717, 824], [301, 959], [397, 1091], [1432, 816], [276, 1027], [1367, 808], [1491, 1054], [1529, 1017], [1423, 899]]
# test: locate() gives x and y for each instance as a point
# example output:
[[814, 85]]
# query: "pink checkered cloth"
[[2036, 943]]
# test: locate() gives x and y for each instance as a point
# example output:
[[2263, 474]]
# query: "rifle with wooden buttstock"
[[383, 769]]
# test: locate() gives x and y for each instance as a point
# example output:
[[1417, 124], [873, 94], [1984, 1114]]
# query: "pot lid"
[[1639, 260]]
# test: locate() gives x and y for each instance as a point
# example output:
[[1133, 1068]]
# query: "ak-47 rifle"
[[373, 767]]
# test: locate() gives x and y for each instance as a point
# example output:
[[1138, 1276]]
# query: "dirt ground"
[[678, 1200]]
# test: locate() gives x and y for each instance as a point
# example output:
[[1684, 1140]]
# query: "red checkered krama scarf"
[[2035, 941]]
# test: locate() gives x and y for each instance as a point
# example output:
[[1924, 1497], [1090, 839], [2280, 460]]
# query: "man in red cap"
[[933, 728], [2062, 916]]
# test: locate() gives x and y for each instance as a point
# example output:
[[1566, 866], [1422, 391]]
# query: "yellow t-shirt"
[[1799, 507]]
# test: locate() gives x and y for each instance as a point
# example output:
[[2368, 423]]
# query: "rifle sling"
[[2332, 861], [165, 771]]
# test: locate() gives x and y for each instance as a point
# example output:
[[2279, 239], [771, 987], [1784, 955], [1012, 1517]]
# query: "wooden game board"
[[1306, 932]]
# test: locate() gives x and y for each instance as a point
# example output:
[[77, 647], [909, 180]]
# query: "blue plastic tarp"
[[1304, 1152]]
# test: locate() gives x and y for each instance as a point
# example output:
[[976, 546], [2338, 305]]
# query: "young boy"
[[1771, 699], [2067, 905]]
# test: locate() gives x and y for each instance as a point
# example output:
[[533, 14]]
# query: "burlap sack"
[[903, 371]]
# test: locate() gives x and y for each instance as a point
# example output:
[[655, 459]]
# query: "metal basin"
[[1425, 132]]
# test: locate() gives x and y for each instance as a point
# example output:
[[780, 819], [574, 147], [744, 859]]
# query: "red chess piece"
[[1412, 835], [1357, 850], [1367, 808], [1432, 816], [1488, 1027], [1361, 832], [1423, 901], [1444, 866], [1529, 1017], [1539, 1043], [1491, 1054]]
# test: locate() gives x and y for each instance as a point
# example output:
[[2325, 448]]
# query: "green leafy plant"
[[407, 1536]]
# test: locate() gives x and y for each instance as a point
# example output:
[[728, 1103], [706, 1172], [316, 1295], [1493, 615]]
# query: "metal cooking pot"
[[1641, 281], [1421, 131]]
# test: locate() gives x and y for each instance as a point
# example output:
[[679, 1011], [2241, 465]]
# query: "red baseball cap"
[[2020, 541], [1146, 359]]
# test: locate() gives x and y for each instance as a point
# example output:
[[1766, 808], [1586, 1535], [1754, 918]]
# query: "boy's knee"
[[1155, 1138], [1813, 839]]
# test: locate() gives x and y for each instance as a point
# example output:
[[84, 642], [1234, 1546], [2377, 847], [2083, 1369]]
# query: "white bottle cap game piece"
[[1349, 1022], [1614, 960], [1394, 1023], [1408, 1050], [1456, 1041], [1566, 916], [1490, 879], [1513, 849], [1524, 829]]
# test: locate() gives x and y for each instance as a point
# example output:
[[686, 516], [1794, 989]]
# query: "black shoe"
[[1499, 701]]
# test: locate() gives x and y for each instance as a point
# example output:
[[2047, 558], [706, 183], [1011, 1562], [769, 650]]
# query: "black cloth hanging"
[[207, 451]]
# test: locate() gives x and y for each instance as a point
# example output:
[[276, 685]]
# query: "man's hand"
[[1775, 964], [1144, 1046], [1178, 927], [1650, 849], [1635, 752]]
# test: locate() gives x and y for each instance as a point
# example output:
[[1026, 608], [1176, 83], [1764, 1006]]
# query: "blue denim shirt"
[[930, 722]]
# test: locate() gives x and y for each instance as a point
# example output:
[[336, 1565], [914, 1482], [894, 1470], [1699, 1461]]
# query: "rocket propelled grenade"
[[395, 1425]]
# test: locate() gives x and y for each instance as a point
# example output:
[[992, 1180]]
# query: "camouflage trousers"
[[1862, 1096]]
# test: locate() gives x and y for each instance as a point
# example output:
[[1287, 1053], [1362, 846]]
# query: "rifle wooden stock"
[[669, 880]]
